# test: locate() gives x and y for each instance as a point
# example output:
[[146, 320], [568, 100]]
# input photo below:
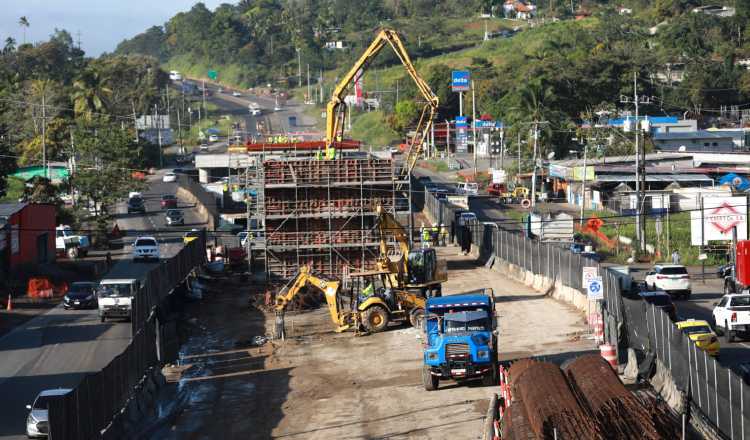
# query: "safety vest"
[[368, 291], [331, 153], [425, 234], [318, 155]]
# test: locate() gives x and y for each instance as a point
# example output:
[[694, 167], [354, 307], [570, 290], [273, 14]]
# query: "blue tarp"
[[738, 182]]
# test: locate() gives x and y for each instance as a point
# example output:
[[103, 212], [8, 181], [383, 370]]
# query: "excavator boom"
[[330, 289], [335, 113]]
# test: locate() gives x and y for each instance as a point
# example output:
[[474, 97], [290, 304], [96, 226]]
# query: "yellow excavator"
[[409, 269], [336, 109], [373, 301]]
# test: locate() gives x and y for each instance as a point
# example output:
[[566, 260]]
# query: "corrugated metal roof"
[[8, 209], [700, 134], [654, 178]]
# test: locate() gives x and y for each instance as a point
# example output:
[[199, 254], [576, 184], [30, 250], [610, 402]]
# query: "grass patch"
[[14, 191], [372, 129]]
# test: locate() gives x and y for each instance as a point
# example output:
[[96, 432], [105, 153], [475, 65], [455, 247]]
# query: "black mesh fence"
[[715, 393], [89, 407]]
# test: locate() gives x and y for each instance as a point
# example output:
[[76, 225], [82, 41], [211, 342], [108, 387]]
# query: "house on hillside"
[[518, 10], [715, 10], [335, 45], [719, 141]]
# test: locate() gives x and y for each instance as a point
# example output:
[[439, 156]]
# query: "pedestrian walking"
[[443, 235], [675, 257], [109, 259]]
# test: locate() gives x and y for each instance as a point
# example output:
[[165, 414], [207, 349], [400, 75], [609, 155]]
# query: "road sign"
[[460, 80], [594, 288], [461, 122], [213, 74], [588, 273]]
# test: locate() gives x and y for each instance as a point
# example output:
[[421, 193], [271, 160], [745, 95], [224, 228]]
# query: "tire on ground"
[[72, 252], [416, 317], [429, 381], [375, 318]]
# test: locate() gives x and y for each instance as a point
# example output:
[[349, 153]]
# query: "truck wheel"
[[430, 382], [718, 329], [729, 333], [83, 253], [375, 319], [416, 318], [490, 379], [72, 253]]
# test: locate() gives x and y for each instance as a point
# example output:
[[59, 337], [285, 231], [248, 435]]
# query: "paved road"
[[58, 348]]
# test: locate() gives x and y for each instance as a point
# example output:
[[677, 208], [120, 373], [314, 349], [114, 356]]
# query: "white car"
[[254, 111], [37, 422], [732, 315], [277, 108], [468, 188], [236, 93], [213, 138], [169, 177], [145, 248], [672, 278]]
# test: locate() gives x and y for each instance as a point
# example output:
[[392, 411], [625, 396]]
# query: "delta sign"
[[720, 215], [460, 80]]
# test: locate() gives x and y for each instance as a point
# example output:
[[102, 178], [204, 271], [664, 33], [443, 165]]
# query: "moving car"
[[168, 201], [37, 422], [175, 217], [136, 204], [190, 236], [700, 332], [81, 295], [169, 177], [732, 314], [213, 138], [661, 300], [204, 146], [468, 188], [236, 93], [115, 297], [145, 248], [496, 189], [672, 278]]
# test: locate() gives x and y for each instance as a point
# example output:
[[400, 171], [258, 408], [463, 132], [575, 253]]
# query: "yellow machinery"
[[373, 312], [335, 111], [412, 268]]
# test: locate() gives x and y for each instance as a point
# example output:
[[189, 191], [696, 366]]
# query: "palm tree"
[[10, 45], [24, 23], [90, 94]]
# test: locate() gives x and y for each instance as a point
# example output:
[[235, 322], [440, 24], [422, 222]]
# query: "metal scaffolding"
[[322, 212]]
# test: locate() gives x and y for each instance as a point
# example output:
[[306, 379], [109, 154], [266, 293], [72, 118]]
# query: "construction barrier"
[[90, 407]]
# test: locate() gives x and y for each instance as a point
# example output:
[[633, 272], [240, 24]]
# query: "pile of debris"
[[583, 400]]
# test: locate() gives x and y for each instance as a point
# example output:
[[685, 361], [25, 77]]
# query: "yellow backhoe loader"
[[371, 304]]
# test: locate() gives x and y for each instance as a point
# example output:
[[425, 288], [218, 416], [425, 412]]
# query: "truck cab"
[[460, 339], [115, 297], [69, 243]]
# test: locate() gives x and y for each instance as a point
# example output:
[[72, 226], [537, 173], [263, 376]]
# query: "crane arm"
[[335, 115]]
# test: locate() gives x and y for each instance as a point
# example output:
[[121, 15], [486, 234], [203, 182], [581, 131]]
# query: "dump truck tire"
[[375, 319], [416, 318], [72, 252], [430, 382]]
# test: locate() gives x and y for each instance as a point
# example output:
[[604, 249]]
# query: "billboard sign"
[[717, 219], [461, 122], [460, 80]]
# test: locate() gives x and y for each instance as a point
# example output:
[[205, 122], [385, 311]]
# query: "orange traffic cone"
[[10, 304]]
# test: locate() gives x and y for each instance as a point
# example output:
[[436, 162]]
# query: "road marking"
[[744, 345]]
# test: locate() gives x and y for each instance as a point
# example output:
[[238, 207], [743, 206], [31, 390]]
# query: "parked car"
[[662, 300], [236, 93], [700, 332], [168, 201], [496, 189], [732, 315], [175, 217], [204, 146], [169, 177], [81, 295], [468, 188], [145, 248], [672, 278], [37, 422], [136, 204], [71, 244], [213, 138]]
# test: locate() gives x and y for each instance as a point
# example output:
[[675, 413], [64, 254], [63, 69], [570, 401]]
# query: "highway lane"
[[58, 348]]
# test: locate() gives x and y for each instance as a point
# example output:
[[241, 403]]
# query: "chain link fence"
[[716, 395], [89, 408]]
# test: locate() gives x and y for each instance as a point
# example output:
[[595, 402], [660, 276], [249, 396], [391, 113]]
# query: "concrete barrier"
[[205, 203]]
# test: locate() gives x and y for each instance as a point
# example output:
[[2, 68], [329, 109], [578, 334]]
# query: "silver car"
[[175, 217], [37, 422]]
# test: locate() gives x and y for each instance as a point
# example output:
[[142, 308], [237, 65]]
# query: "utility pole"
[[44, 132], [309, 92], [299, 68], [158, 134], [583, 182], [474, 125], [640, 169], [179, 130], [135, 120], [518, 176], [321, 85], [533, 174]]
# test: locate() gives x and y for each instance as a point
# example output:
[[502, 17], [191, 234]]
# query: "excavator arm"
[[388, 225], [330, 289], [335, 110]]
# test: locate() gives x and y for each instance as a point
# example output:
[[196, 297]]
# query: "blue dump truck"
[[461, 339]]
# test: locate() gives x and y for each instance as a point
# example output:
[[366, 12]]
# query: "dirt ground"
[[321, 385]]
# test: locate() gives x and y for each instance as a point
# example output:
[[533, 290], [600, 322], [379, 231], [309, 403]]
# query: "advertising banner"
[[717, 219]]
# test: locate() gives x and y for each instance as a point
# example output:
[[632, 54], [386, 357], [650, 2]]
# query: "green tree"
[[90, 94], [24, 23], [405, 116]]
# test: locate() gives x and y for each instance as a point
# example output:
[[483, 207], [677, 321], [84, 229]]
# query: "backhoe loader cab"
[[422, 266]]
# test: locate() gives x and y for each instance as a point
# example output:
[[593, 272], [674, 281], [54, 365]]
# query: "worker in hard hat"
[[425, 236], [330, 153], [319, 154], [434, 234], [443, 235]]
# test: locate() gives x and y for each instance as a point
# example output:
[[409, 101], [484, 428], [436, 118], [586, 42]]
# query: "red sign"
[[725, 217]]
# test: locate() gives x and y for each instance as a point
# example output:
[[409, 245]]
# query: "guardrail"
[[87, 410], [697, 385]]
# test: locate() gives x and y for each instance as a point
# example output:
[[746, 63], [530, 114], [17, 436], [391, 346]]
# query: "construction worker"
[[434, 234], [443, 235], [425, 236], [319, 155], [330, 153], [368, 291]]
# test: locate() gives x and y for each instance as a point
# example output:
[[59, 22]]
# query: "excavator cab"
[[422, 264]]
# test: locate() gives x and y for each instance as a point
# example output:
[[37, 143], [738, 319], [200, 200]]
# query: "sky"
[[102, 23]]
